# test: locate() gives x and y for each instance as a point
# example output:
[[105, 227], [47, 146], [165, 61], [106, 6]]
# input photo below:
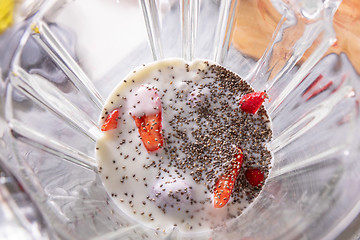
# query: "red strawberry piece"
[[111, 121], [251, 102], [150, 131], [225, 185], [254, 176], [149, 124]]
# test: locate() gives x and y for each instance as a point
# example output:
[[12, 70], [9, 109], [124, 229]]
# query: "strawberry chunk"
[[111, 121], [147, 116], [254, 176], [225, 185], [150, 131], [251, 102]]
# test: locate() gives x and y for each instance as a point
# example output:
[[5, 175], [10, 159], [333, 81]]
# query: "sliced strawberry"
[[251, 102], [147, 116], [150, 131], [254, 176], [225, 185], [111, 121]]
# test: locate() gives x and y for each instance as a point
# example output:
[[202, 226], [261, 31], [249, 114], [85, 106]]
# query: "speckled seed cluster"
[[220, 128]]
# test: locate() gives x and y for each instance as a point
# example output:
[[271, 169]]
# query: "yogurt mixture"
[[168, 180]]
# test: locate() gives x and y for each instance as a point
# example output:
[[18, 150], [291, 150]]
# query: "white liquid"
[[136, 189]]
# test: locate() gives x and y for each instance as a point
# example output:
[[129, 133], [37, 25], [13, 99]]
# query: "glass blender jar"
[[61, 58]]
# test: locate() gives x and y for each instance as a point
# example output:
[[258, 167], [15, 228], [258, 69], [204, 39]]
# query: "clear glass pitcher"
[[60, 59]]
